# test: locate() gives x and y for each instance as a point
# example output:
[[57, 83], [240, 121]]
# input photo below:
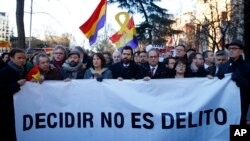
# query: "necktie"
[[152, 72]]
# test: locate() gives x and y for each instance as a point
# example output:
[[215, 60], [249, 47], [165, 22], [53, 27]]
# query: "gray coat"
[[91, 74]]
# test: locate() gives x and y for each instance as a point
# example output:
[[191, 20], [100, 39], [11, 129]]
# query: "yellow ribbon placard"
[[123, 25], [127, 34]]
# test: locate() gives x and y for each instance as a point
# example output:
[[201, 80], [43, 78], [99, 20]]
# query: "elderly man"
[[59, 56], [155, 69], [116, 57], [47, 71], [236, 66]]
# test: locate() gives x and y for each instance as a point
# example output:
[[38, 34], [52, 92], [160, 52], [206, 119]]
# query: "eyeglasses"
[[153, 57], [233, 48], [58, 53], [180, 50], [199, 58]]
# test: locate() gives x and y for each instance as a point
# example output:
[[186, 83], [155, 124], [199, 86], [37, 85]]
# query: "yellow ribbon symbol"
[[123, 25]]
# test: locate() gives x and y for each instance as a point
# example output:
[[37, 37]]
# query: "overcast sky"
[[62, 16]]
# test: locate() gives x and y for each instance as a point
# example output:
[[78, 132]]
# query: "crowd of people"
[[16, 69]]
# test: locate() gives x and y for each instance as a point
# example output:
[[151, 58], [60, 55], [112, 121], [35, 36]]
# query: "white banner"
[[190, 109]]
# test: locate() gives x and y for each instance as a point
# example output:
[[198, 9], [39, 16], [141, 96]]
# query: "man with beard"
[[72, 68], [126, 69], [196, 67]]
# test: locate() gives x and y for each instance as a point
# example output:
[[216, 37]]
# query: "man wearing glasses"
[[235, 49], [154, 69], [59, 56], [236, 66]]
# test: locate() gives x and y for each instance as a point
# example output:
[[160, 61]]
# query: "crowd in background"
[[16, 68]]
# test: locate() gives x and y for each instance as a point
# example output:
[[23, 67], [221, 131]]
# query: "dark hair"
[[137, 52], [193, 56], [16, 50], [109, 55], [5, 53], [99, 55], [205, 53], [143, 52], [182, 46], [181, 60], [127, 48], [191, 49], [166, 61]]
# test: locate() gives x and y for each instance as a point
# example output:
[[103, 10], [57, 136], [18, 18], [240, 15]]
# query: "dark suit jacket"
[[230, 66], [134, 71], [2, 63], [211, 71], [200, 73], [161, 71], [240, 74], [242, 78]]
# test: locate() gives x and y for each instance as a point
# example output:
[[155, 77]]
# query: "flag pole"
[[105, 27], [105, 31]]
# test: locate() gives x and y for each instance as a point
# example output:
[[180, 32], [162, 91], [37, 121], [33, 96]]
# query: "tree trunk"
[[146, 18], [20, 24]]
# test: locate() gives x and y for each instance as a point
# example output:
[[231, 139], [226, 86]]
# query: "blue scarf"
[[19, 70]]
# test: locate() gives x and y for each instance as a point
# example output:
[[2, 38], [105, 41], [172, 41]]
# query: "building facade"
[[4, 27], [4, 33], [212, 24]]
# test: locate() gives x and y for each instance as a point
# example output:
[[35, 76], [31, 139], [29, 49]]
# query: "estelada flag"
[[126, 38]]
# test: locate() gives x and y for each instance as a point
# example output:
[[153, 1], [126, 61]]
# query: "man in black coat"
[[126, 69], [154, 69], [12, 77], [235, 65], [221, 57], [242, 78], [196, 67]]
